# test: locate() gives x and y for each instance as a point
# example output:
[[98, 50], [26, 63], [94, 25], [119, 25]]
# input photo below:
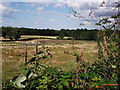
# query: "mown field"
[[61, 50]]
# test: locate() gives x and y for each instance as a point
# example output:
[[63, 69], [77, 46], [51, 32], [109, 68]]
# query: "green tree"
[[62, 33], [16, 33], [61, 36], [11, 33]]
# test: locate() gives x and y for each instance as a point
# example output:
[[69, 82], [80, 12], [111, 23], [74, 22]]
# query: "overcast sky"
[[54, 14]]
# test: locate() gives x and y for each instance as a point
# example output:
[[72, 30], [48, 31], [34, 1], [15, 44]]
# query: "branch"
[[94, 88]]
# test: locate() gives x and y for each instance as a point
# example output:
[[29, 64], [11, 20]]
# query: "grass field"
[[13, 54], [39, 37], [32, 36]]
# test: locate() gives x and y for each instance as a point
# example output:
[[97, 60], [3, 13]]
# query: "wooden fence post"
[[25, 52], [37, 47]]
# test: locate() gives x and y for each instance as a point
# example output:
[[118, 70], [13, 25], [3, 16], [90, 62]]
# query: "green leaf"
[[82, 74], [17, 82], [66, 76], [60, 87], [94, 85], [113, 66], [43, 87], [40, 52], [31, 60], [69, 79], [51, 69], [65, 83], [30, 74], [93, 74], [75, 86], [96, 78], [10, 83], [26, 69], [85, 75]]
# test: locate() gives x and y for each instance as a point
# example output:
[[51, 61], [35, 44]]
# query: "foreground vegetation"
[[81, 73]]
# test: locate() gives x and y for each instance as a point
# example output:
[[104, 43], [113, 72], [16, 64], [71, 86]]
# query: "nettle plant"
[[108, 41], [108, 66]]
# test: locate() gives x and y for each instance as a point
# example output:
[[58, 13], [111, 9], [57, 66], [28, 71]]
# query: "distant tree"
[[16, 34], [11, 33], [77, 34], [3, 32], [61, 36]]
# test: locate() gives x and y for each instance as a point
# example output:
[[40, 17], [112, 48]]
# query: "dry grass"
[[13, 55], [33, 36]]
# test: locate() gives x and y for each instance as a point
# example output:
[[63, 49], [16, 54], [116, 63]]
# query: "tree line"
[[14, 33]]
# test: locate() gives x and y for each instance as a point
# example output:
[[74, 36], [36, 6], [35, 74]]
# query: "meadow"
[[60, 64], [61, 50]]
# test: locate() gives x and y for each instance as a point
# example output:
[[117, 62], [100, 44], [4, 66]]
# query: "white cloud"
[[86, 23], [36, 23], [83, 9], [1, 21], [45, 4], [51, 20], [17, 4], [71, 16], [7, 11], [2, 8], [105, 11], [58, 5], [5, 23], [55, 0], [40, 8], [32, 4]]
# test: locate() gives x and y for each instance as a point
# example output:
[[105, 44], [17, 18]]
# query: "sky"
[[55, 14]]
